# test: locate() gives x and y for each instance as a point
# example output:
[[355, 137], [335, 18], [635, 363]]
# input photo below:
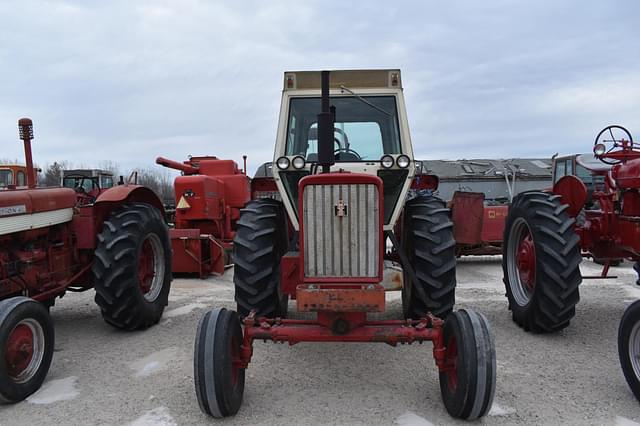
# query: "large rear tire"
[[427, 239], [132, 267], [26, 347], [541, 262], [260, 242], [629, 346], [219, 381], [468, 384]]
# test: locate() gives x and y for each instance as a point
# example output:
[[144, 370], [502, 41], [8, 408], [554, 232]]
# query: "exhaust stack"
[[326, 120], [25, 127]]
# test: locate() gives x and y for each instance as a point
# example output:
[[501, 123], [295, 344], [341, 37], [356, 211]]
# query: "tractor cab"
[[370, 134], [88, 183], [586, 167], [13, 175]]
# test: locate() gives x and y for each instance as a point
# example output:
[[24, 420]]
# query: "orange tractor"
[[343, 170]]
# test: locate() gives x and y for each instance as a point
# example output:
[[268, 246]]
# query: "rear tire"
[[26, 347], [541, 262], [132, 267], [259, 244], [468, 385], [429, 244], [219, 384], [629, 346]]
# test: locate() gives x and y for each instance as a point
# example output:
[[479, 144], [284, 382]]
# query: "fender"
[[88, 221]]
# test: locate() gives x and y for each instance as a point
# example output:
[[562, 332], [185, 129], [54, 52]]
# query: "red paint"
[[146, 267], [526, 262], [342, 178], [573, 192], [208, 201], [340, 298], [477, 228], [18, 350], [289, 274], [356, 328], [423, 182]]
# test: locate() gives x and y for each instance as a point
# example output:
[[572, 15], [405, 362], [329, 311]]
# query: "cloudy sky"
[[129, 80]]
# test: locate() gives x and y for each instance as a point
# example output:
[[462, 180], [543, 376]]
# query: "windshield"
[[365, 129], [106, 181], [6, 178], [79, 183]]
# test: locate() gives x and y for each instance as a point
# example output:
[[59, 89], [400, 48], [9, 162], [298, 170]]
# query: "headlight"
[[386, 161], [403, 161], [298, 162], [599, 149], [282, 163]]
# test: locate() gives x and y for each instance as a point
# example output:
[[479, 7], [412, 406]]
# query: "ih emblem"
[[340, 209]]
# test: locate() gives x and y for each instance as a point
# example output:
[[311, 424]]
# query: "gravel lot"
[[101, 375]]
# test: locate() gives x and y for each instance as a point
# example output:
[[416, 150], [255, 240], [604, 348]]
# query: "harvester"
[[592, 211], [343, 168], [52, 241], [209, 196]]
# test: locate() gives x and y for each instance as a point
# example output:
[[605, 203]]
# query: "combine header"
[[209, 196], [343, 167], [52, 240]]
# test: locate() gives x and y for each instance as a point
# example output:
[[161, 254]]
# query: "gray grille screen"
[[336, 245]]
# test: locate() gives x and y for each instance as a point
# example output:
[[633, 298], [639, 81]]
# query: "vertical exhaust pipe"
[[326, 119], [25, 126]]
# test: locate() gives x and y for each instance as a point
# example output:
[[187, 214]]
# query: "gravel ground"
[[101, 375]]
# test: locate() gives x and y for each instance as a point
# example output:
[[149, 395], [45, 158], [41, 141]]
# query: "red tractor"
[[209, 196], [343, 169], [593, 211], [51, 242]]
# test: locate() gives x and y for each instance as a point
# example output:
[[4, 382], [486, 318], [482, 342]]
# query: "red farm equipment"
[[593, 211], [209, 196], [343, 168], [53, 241]]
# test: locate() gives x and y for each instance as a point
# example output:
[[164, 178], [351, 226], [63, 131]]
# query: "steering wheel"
[[348, 151], [613, 136], [345, 140]]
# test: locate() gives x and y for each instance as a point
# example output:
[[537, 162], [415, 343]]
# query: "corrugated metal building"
[[498, 179]]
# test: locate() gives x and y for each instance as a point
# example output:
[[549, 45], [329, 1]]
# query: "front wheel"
[[219, 379], [629, 346], [26, 347], [468, 383], [132, 267]]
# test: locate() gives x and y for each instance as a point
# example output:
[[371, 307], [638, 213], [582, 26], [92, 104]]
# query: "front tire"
[[541, 262], [132, 267], [629, 346], [468, 384], [260, 242], [429, 244], [218, 380], [26, 347]]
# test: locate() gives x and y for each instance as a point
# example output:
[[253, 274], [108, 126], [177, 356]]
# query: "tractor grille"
[[341, 230]]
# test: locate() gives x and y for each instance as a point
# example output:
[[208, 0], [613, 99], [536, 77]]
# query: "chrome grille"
[[341, 246]]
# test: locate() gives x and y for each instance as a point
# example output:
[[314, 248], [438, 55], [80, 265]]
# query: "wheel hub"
[[526, 262], [19, 350], [151, 267], [146, 267]]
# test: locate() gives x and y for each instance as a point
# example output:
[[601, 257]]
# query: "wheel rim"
[[151, 267], [452, 364], [521, 262], [24, 351], [634, 349]]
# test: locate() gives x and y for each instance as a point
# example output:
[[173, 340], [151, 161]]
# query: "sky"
[[126, 81]]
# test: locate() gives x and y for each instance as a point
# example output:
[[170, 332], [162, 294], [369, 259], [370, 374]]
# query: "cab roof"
[[352, 79]]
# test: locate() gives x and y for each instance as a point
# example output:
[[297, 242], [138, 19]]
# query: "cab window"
[[560, 170], [6, 178], [20, 179]]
